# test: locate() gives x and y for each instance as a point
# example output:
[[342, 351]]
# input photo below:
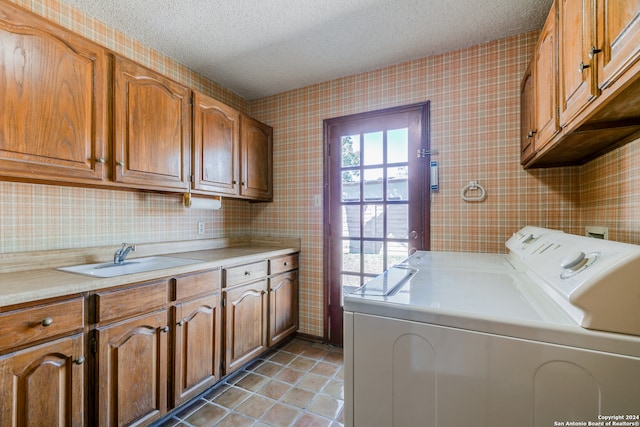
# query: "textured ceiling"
[[259, 48]]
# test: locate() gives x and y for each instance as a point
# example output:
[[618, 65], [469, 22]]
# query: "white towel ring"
[[472, 186]]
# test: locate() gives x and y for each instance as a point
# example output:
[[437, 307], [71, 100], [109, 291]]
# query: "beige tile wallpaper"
[[474, 130]]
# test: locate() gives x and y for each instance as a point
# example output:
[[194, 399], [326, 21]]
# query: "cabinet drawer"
[[197, 284], [282, 264], [245, 273], [129, 302], [41, 322]]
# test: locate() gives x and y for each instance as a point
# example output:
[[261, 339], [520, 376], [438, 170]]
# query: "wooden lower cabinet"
[[283, 306], [150, 346], [44, 385], [132, 368], [197, 347], [245, 323]]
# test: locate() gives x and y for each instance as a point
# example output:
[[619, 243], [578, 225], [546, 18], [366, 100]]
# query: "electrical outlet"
[[200, 228]]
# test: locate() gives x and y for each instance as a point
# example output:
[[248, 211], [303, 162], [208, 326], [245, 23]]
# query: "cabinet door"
[[527, 111], [132, 371], [283, 306], [577, 77], [53, 120], [216, 157], [545, 86], [257, 159], [245, 323], [44, 385], [152, 128], [197, 347], [618, 29]]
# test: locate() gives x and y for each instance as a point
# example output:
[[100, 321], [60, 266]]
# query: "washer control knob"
[[573, 260]]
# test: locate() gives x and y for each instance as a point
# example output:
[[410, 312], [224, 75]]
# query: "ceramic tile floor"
[[297, 384]]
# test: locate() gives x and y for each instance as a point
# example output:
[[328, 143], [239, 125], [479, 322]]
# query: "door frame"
[[424, 109]]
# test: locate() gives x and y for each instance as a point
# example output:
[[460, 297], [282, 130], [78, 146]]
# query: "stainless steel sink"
[[139, 265]]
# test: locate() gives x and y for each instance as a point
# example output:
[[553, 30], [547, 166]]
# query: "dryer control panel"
[[600, 279]]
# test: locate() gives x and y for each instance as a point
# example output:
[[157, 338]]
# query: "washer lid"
[[464, 261], [499, 295]]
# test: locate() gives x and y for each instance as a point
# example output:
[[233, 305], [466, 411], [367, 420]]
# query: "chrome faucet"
[[121, 254]]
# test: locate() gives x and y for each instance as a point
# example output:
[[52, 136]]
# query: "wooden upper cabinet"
[[216, 142], [527, 123], [545, 83], [53, 120], [152, 133], [578, 79], [257, 159], [618, 32]]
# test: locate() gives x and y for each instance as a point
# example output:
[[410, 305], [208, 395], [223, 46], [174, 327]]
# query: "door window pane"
[[350, 190], [398, 221], [351, 256], [373, 258], [398, 146], [373, 189], [373, 219], [372, 149], [397, 183], [351, 221], [350, 150]]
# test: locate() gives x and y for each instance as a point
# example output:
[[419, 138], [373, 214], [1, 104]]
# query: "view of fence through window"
[[375, 197]]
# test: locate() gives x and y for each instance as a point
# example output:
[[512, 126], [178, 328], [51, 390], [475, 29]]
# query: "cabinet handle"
[[247, 273], [79, 360], [234, 182], [181, 322], [582, 66], [593, 51], [47, 321], [101, 160], [165, 329], [531, 133], [244, 184], [120, 163], [286, 263]]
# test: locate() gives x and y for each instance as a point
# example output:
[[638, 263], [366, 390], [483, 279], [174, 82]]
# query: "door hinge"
[[423, 152], [94, 346], [224, 302]]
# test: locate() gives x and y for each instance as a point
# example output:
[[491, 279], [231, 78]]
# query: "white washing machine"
[[548, 335]]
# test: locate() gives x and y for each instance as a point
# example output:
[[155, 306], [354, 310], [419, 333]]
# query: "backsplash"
[[474, 95], [36, 217]]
